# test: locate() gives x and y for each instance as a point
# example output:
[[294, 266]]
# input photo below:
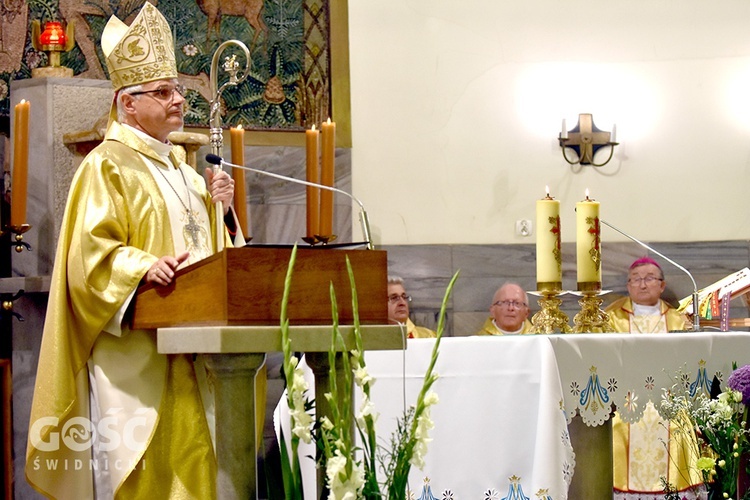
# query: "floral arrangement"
[[350, 470], [720, 425]]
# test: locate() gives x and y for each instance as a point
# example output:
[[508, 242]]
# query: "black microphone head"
[[214, 159]]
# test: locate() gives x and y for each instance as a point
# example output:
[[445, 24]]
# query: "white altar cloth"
[[500, 431]]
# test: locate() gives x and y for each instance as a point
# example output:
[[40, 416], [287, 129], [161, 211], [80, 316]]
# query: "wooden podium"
[[227, 308], [244, 286]]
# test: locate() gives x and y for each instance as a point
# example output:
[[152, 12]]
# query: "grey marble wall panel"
[[58, 106], [501, 261], [277, 207], [468, 323], [429, 261]]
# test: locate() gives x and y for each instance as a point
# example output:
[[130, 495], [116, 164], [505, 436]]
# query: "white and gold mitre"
[[139, 53]]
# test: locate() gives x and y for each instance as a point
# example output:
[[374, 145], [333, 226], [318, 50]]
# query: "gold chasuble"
[[152, 426], [490, 328], [651, 448]]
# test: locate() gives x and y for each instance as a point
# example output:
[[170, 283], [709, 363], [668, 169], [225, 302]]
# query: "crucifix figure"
[[585, 139]]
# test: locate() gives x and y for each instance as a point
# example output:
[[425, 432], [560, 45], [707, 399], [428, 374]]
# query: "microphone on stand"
[[219, 161], [696, 314]]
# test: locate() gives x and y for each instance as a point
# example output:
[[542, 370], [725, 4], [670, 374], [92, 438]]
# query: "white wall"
[[456, 108]]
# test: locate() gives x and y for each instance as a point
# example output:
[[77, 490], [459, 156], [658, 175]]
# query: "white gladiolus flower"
[[431, 398], [343, 487], [366, 409], [326, 423], [361, 377], [424, 424]]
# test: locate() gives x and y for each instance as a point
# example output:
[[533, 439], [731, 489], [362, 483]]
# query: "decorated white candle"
[[548, 248], [588, 245]]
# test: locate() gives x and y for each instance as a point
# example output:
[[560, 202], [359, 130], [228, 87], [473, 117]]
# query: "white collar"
[[641, 310], [160, 148], [508, 333]]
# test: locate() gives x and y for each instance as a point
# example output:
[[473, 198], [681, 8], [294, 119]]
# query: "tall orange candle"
[[313, 175], [20, 173], [588, 245], [548, 247], [237, 140], [328, 147]]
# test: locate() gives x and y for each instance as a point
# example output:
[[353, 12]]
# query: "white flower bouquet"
[[351, 472]]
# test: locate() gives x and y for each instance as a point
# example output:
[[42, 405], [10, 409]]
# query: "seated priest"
[[111, 417], [651, 449], [398, 310], [509, 312]]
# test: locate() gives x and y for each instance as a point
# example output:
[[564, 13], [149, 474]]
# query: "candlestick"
[[19, 177], [591, 318], [328, 147], [550, 319], [313, 175], [588, 245], [548, 246], [237, 140]]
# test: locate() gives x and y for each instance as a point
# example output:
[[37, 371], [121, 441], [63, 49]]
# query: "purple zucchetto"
[[643, 261]]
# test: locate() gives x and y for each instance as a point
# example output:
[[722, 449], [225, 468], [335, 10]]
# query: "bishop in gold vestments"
[[650, 449], [111, 417]]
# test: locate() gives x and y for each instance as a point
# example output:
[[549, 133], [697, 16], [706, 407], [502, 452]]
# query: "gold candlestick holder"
[[325, 239], [18, 231], [550, 319], [592, 319]]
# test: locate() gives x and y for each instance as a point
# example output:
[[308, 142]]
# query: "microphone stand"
[[364, 220], [696, 315], [231, 66]]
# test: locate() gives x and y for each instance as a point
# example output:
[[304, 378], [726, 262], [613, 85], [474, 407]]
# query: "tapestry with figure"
[[288, 86]]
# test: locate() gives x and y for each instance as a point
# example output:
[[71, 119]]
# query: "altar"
[[501, 426]]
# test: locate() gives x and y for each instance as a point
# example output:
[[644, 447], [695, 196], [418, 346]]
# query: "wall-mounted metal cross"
[[585, 139]]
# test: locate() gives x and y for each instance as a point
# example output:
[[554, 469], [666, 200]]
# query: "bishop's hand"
[[221, 187], [162, 272]]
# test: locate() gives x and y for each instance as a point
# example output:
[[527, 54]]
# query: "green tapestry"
[[288, 83]]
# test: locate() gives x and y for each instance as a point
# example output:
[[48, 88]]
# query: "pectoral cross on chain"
[[192, 230]]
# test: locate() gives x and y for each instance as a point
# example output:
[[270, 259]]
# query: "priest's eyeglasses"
[[508, 303], [164, 93], [647, 280], [393, 299]]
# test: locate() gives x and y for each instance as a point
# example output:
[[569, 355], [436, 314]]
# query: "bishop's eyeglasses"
[[508, 303], [647, 280], [165, 92], [394, 298]]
